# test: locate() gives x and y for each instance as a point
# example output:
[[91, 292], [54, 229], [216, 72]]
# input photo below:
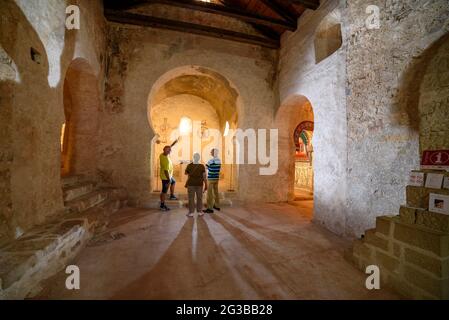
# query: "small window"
[[35, 55], [328, 37]]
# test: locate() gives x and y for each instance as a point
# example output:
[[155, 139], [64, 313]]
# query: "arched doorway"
[[196, 106], [304, 157], [80, 130], [295, 122]]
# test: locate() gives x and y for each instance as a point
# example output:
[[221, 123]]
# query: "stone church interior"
[[330, 119]]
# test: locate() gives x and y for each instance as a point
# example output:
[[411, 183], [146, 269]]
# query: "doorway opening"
[[304, 159], [295, 123], [196, 107], [79, 131]]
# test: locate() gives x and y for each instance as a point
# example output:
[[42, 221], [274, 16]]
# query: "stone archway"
[[302, 137], [209, 103], [293, 119], [79, 131]]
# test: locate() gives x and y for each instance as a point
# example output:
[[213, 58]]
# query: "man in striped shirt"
[[213, 176]]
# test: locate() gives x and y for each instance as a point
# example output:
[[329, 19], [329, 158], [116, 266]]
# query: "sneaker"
[[218, 209], [189, 215], [208, 211], [200, 214], [164, 208], [173, 197]]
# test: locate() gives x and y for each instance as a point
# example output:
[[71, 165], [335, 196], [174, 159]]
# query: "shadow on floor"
[[190, 268]]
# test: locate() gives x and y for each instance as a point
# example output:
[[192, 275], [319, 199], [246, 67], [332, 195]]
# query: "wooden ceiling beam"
[[280, 10], [264, 30], [309, 4], [162, 23], [122, 5], [228, 12]]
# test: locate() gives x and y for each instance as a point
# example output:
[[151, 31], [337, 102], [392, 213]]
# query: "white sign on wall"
[[434, 180], [416, 179], [439, 203]]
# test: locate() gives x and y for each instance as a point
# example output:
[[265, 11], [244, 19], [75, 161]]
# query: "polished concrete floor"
[[269, 251]]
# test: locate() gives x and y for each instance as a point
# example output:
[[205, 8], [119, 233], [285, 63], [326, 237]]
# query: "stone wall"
[[411, 249], [365, 98], [323, 84], [370, 103], [32, 113], [138, 58], [384, 71], [82, 105], [434, 99]]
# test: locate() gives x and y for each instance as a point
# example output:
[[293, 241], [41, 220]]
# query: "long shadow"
[[191, 268], [262, 253], [128, 215], [286, 239], [272, 254]]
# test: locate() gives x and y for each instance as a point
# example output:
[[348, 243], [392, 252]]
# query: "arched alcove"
[[79, 131], [210, 102], [328, 38], [433, 107]]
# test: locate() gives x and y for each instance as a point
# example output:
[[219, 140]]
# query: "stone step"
[[303, 198], [38, 255], [44, 250], [418, 197], [425, 218], [184, 196], [87, 201], [72, 180], [373, 238], [174, 204], [155, 204], [74, 191], [98, 216]]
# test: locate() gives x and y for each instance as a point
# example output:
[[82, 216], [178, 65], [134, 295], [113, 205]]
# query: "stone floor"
[[269, 251]]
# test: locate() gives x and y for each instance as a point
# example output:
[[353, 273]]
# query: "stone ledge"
[[87, 201], [434, 286], [383, 225], [439, 267], [39, 254], [45, 250], [422, 237], [418, 197], [431, 220], [412, 258], [375, 240], [388, 262]]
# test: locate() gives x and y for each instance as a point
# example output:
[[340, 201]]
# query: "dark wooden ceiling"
[[269, 18]]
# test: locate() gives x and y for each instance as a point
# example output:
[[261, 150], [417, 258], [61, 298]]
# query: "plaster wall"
[[323, 85], [32, 111], [385, 68], [365, 98], [138, 59]]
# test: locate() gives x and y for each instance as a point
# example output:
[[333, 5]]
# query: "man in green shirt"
[[167, 177]]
